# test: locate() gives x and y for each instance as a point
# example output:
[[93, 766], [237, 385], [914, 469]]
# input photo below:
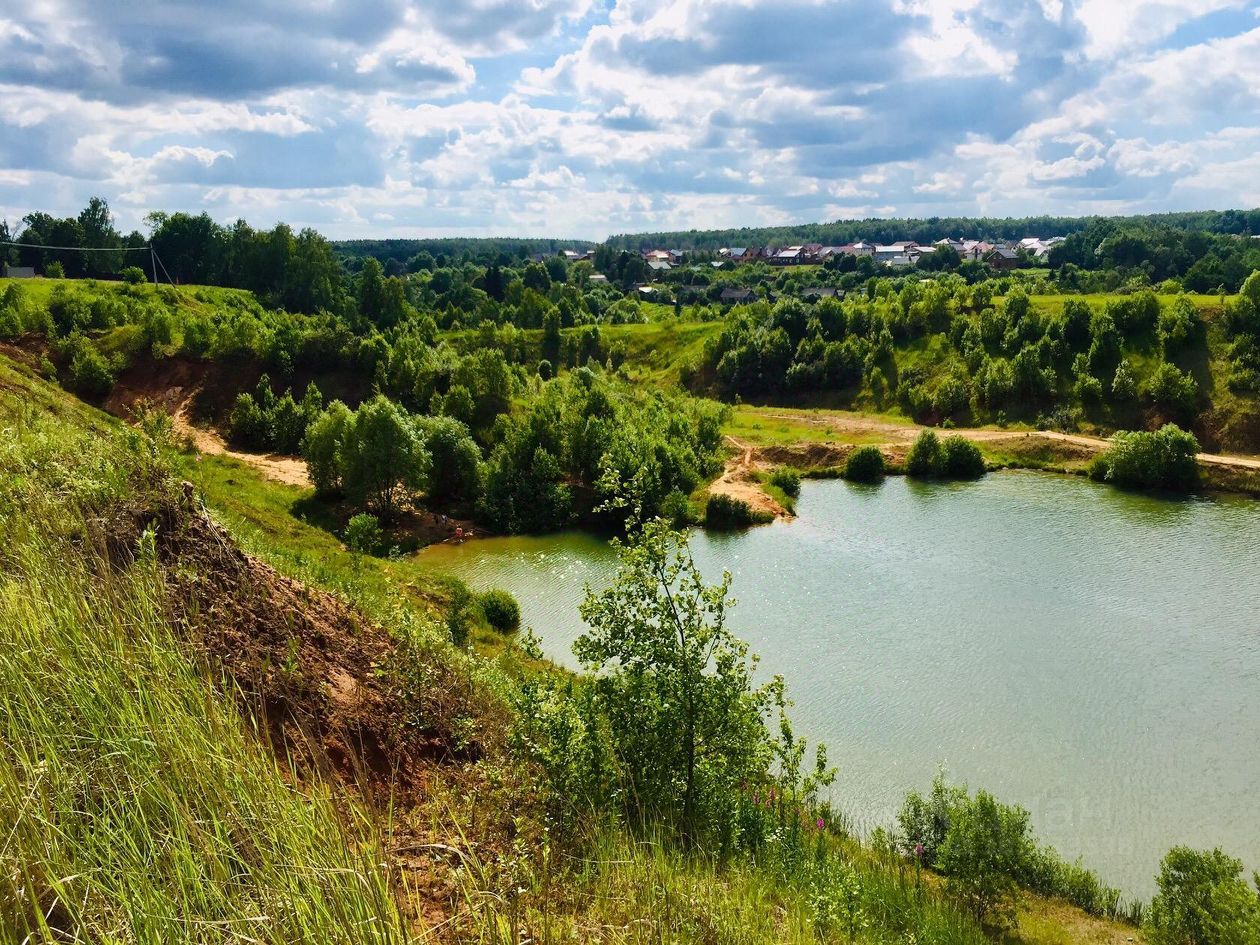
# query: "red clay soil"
[[323, 677]]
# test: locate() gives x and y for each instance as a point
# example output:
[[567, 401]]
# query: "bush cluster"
[[865, 464], [501, 610], [986, 851], [1164, 459], [955, 457], [724, 512], [788, 480]]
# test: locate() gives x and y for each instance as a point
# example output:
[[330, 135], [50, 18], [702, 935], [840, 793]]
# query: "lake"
[[1091, 654]]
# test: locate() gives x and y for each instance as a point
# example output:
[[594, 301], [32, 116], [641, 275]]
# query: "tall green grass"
[[625, 889], [136, 802], [137, 805]]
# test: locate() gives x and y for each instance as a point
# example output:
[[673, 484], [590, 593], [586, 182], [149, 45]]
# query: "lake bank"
[[1080, 650]]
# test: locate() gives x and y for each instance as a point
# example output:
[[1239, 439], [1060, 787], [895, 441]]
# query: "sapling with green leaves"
[[677, 684]]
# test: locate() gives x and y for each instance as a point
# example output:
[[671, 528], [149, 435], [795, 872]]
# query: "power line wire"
[[79, 249], [147, 247]]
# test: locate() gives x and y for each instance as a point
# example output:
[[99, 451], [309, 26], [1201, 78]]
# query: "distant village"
[[903, 254], [1006, 254], [899, 255]]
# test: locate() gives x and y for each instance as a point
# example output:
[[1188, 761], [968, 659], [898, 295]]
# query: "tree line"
[[927, 230]]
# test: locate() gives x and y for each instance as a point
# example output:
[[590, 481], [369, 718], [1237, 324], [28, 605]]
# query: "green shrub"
[[952, 458], [1202, 900], [865, 464], [1174, 392], [1161, 460], [985, 848], [675, 509], [88, 373], [133, 275], [462, 614], [924, 822], [924, 459], [1124, 384], [54, 270], [961, 459], [502, 611], [724, 511], [363, 534], [789, 480]]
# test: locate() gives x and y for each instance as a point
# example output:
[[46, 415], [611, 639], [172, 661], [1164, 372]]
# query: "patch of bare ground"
[[173, 385], [805, 455], [739, 481], [1071, 446]]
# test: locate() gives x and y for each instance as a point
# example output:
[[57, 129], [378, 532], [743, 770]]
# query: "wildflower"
[[918, 851], [820, 823]]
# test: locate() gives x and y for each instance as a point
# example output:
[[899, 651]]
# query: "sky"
[[585, 118]]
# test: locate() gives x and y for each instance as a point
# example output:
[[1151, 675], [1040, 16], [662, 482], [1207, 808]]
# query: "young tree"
[[455, 460], [1203, 900], [322, 447], [97, 224], [983, 851], [371, 289], [924, 459], [382, 458], [676, 683]]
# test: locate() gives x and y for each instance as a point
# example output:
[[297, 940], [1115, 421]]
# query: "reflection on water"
[[1091, 654]]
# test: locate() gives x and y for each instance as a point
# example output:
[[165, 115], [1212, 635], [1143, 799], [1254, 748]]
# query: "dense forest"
[[474, 249]]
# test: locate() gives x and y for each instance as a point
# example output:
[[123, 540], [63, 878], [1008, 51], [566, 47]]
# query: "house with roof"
[[814, 293], [975, 250], [733, 296], [659, 267], [791, 256], [1002, 257]]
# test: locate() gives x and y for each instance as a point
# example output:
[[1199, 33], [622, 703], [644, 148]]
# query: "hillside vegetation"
[[476, 793], [238, 709]]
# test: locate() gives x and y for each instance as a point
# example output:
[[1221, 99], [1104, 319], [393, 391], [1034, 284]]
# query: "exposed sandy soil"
[[174, 387], [290, 470], [739, 481]]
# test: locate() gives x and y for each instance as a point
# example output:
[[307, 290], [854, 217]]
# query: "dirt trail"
[[900, 434], [290, 470], [739, 481]]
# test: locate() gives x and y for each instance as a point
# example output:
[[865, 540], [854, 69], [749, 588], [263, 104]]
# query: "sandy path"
[[290, 470], [739, 481], [904, 434]]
